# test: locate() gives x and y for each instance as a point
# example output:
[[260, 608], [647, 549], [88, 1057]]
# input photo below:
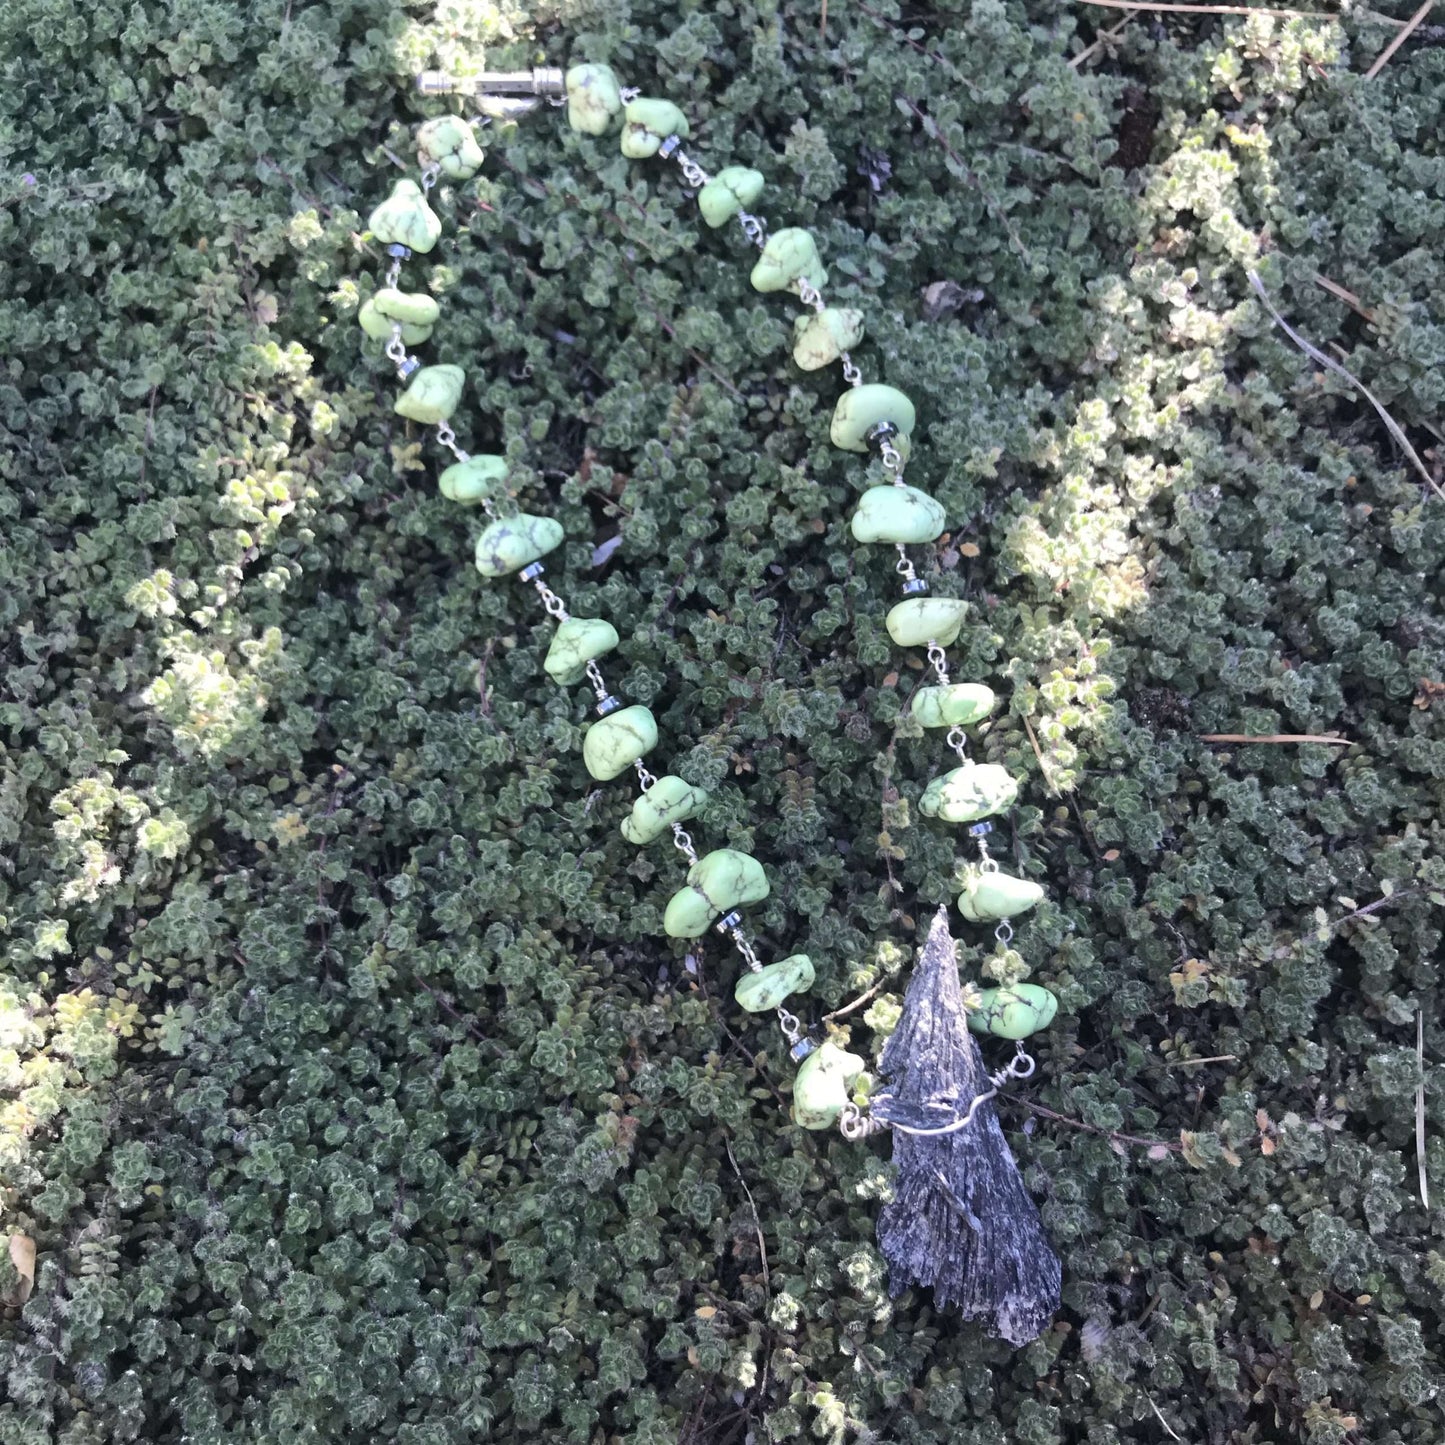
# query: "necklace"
[[960, 1220]]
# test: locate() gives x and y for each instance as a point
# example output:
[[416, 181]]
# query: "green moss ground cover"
[[347, 1088]]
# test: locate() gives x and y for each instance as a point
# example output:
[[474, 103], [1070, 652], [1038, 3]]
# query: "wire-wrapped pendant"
[[960, 1221]]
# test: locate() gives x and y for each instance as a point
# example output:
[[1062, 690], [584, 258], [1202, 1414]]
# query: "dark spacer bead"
[[669, 145], [726, 925], [980, 830], [915, 587], [876, 436], [531, 572], [801, 1050], [608, 705], [399, 251], [405, 368]]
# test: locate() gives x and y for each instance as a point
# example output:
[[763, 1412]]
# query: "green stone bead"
[[821, 1088], [958, 705], [921, 620], [763, 991], [733, 189], [449, 144], [416, 313], [861, 408], [510, 543], [614, 743], [987, 897], [473, 480], [578, 641], [897, 514], [432, 394], [821, 337], [594, 98], [717, 883], [1014, 1012], [974, 791], [405, 219], [649, 123], [789, 256], [669, 800]]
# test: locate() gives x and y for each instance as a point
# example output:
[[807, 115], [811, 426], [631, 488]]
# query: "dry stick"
[[857, 1002], [1163, 1421], [1315, 354], [1420, 1106], [757, 1223], [1410, 26], [1347, 296], [1174, 1146], [1232, 10], [1212, 1059], [1043, 767], [1100, 40], [1275, 738]]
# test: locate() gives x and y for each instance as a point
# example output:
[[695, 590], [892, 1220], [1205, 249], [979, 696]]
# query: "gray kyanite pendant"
[[960, 1220]]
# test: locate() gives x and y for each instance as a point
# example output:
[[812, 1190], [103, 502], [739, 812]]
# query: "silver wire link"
[[1021, 1066], [645, 779], [754, 229], [749, 953], [551, 601], [854, 1124], [791, 1025], [682, 841], [904, 566], [396, 348], [448, 438], [809, 294], [958, 740], [429, 177], [851, 374], [986, 864], [594, 676], [692, 173], [1004, 933], [892, 461], [629, 93], [939, 658], [393, 272]]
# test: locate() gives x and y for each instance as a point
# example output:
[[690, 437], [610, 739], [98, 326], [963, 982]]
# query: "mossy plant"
[[352, 1088]]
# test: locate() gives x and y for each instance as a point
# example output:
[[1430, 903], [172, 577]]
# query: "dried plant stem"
[[1172, 1145], [1409, 27], [1420, 1107], [1233, 10], [1275, 738], [1099, 41], [1315, 354]]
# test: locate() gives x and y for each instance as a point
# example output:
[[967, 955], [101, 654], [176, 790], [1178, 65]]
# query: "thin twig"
[[1212, 1059], [857, 1002], [1173, 1145], [1163, 1421], [1231, 10], [1420, 1106], [1100, 40], [1275, 738], [1043, 766], [1409, 27], [1378, 903], [757, 1223], [1345, 295], [1315, 354]]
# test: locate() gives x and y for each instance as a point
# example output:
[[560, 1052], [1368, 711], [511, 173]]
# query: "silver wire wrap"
[[645, 779], [957, 739], [892, 460], [594, 676], [904, 566], [430, 175], [750, 957], [682, 841], [939, 658], [692, 173], [393, 272], [754, 229], [1021, 1066], [551, 601]]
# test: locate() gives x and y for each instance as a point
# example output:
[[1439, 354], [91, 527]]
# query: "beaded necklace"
[[953, 1162]]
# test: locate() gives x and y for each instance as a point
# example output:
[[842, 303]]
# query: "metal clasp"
[[545, 83]]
